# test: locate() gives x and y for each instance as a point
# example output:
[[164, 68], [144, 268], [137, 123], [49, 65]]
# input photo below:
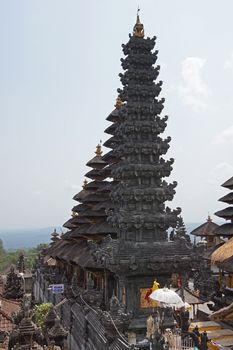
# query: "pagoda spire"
[[99, 151], [138, 29], [118, 103]]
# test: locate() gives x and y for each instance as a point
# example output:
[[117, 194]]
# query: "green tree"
[[2, 250], [40, 313]]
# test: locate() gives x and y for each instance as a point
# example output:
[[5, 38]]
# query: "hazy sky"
[[59, 67]]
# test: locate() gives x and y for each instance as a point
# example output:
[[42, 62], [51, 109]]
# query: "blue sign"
[[57, 288]]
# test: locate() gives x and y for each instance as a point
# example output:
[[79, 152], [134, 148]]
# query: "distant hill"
[[25, 238], [28, 238]]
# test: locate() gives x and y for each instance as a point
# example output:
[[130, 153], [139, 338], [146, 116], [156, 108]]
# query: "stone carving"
[[116, 320]]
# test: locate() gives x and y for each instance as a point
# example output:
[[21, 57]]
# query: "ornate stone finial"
[[84, 183], [99, 151], [209, 218], [138, 29], [74, 214], [54, 236], [118, 103]]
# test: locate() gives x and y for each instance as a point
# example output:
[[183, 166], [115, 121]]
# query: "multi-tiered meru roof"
[[226, 230]]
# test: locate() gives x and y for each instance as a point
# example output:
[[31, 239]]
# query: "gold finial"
[[118, 103], [84, 183], [209, 218], [98, 151], [138, 29], [74, 214]]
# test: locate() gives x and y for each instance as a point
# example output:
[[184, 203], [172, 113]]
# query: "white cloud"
[[71, 186], [163, 66], [228, 65], [193, 90], [221, 172], [37, 192], [224, 137]]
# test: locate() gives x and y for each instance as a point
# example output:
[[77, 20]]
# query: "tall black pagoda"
[[139, 194]]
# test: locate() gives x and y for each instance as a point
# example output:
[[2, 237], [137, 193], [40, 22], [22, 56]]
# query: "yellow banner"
[[145, 301]]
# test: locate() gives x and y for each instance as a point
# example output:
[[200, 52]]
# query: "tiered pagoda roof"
[[206, 229], [140, 193], [89, 217], [226, 230]]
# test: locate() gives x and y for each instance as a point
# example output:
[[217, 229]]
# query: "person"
[[196, 331], [204, 341]]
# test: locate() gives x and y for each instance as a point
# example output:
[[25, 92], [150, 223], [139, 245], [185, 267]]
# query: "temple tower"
[[140, 196], [140, 192]]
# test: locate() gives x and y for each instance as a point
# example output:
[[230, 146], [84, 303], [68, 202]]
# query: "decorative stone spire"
[[85, 182], [26, 330], [141, 191], [138, 29], [99, 151], [209, 218], [54, 236], [50, 318], [58, 333]]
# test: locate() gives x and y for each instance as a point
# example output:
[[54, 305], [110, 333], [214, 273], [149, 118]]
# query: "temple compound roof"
[[226, 230], [7, 309], [206, 229]]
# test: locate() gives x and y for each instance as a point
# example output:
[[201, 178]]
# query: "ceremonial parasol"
[[167, 296]]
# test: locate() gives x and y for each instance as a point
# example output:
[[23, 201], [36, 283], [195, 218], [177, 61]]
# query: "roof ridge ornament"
[[209, 218], [138, 29], [85, 182], [99, 151], [118, 103]]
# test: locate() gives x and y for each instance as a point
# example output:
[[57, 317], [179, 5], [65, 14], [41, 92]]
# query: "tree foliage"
[[8, 258], [40, 313]]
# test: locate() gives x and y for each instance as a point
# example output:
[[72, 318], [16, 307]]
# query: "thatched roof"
[[227, 265], [95, 197], [80, 207], [228, 184], [223, 253], [113, 116], [96, 163], [209, 251], [95, 185], [206, 229], [227, 199], [110, 143], [70, 224], [95, 174], [224, 230], [223, 314], [109, 156], [80, 195], [111, 129], [226, 213]]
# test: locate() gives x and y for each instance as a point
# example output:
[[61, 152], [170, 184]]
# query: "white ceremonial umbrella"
[[167, 296], [183, 304]]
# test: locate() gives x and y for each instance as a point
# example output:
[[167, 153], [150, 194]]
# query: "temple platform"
[[218, 335]]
